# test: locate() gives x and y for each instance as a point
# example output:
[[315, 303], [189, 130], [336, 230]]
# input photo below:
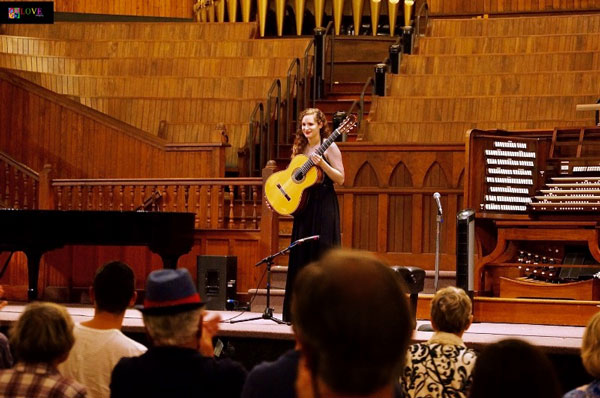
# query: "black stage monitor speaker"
[[217, 280], [465, 250]]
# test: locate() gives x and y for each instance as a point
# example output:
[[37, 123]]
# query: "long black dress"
[[319, 216]]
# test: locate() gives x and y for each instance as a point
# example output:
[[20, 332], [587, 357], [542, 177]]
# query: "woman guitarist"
[[320, 214]]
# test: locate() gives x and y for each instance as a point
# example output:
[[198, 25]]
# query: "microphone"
[[301, 241], [436, 196]]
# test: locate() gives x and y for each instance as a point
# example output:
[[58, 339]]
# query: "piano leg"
[[33, 271]]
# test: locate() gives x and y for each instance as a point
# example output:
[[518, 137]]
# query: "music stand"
[[268, 313]]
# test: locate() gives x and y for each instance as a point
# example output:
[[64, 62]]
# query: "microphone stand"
[[438, 222], [436, 277], [268, 313]]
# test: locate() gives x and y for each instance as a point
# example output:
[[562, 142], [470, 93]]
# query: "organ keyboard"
[[534, 192]]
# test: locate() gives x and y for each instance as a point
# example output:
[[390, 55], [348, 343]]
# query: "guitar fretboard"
[[346, 125]]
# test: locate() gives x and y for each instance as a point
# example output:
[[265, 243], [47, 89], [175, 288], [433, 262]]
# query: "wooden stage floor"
[[552, 339]]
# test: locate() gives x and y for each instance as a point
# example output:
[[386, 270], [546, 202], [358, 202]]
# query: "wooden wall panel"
[[135, 31], [40, 127], [461, 7], [532, 25], [387, 200], [152, 8]]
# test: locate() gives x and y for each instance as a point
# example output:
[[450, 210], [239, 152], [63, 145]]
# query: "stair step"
[[260, 301], [278, 276], [348, 87]]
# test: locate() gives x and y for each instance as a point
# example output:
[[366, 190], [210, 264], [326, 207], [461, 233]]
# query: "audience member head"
[[590, 346], [513, 368], [451, 310], [352, 321], [114, 287], [42, 334], [172, 308]]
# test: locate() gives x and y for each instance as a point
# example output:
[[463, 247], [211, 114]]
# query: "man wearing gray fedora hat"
[[180, 362]]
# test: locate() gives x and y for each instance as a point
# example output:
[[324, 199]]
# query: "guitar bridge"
[[283, 192]]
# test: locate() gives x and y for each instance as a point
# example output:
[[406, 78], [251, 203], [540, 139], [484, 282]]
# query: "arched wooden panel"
[[366, 177], [434, 178], [400, 223], [365, 207], [400, 212], [364, 235], [401, 176]]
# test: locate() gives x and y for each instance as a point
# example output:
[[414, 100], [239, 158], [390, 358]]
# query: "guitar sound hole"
[[298, 176]]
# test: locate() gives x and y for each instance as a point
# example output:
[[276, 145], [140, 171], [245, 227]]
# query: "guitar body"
[[284, 192]]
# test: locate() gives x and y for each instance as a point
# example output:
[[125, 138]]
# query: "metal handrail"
[[311, 44], [361, 103], [328, 28], [276, 84], [251, 140], [418, 15], [289, 101], [370, 81]]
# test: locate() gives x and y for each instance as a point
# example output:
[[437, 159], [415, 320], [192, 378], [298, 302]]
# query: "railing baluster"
[[100, 197], [121, 196], [111, 194], [154, 190], [16, 190], [142, 196], [79, 197], [25, 190], [231, 199], [254, 208], [7, 184], [175, 196], [90, 198], [208, 205], [186, 197], [131, 197], [198, 190], [164, 198], [70, 200], [59, 197], [220, 199], [34, 200], [243, 212]]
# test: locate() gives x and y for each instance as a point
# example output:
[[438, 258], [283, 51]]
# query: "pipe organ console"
[[536, 196]]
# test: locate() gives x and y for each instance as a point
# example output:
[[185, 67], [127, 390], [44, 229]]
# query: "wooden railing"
[[231, 203], [20, 185]]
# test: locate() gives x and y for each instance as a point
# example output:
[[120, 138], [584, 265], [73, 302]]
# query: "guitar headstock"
[[347, 124]]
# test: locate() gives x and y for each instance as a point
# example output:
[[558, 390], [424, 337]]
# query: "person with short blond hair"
[[441, 367], [41, 339], [590, 356], [451, 310]]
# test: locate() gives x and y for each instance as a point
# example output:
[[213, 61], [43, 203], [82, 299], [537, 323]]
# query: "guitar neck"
[[321, 150]]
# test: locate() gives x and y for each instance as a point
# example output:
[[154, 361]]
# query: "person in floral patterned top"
[[590, 356], [441, 367]]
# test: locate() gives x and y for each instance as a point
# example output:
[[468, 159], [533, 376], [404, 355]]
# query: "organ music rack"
[[535, 191]]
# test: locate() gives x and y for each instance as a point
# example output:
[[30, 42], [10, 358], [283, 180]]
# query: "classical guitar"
[[284, 190]]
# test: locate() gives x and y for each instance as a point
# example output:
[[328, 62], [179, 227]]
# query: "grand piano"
[[37, 231], [536, 196]]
